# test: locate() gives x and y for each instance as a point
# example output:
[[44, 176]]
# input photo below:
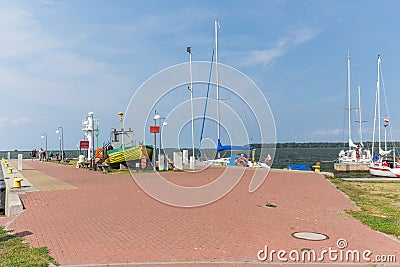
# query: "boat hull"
[[128, 154], [384, 171]]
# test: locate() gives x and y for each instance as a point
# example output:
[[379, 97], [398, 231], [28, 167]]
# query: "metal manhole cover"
[[310, 236]]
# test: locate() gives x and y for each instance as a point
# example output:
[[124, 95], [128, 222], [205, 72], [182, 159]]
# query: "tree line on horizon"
[[339, 145]]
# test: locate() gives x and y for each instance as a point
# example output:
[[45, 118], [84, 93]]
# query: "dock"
[[351, 167]]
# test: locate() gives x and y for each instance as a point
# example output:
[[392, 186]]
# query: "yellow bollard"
[[6, 164], [317, 167], [10, 170], [17, 182]]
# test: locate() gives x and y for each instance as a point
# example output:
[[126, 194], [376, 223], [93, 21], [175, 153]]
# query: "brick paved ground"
[[108, 219]]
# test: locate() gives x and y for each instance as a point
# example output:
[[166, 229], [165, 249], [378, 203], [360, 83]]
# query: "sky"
[[61, 59]]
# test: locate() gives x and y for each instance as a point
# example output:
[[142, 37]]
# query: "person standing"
[[33, 154], [40, 154]]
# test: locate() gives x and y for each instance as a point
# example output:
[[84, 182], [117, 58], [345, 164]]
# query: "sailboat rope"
[[386, 105], [205, 106]]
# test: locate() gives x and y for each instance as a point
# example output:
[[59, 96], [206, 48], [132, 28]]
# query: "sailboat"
[[240, 159], [354, 158], [385, 164]]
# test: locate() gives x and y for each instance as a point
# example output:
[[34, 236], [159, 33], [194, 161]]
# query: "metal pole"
[[62, 144], [189, 49], [217, 83], [379, 104], [45, 139], [359, 113], [93, 153], [45, 158], [348, 97], [216, 75], [155, 142], [159, 153], [59, 138]]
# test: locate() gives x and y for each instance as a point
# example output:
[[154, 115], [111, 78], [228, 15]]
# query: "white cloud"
[[294, 38], [332, 132], [6, 121]]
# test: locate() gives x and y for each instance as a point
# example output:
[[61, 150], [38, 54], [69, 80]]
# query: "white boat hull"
[[384, 171]]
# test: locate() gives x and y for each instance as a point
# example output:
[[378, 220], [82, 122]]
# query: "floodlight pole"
[[44, 135], [61, 142], [189, 50]]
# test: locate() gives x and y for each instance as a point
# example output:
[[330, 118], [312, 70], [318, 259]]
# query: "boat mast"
[[379, 104], [360, 115], [348, 98], [373, 132], [217, 79]]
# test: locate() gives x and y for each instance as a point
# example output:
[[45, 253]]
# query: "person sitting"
[[81, 161], [241, 161]]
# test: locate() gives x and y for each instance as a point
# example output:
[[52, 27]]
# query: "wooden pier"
[[351, 167]]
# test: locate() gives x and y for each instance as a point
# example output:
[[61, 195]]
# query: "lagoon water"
[[283, 157]]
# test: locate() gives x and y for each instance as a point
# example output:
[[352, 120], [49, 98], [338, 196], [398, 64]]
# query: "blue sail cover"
[[220, 147]]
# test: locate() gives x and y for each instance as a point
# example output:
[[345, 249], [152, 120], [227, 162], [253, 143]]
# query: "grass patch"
[[14, 252], [379, 203]]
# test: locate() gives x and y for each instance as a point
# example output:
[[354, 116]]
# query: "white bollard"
[[185, 156], [192, 163], [20, 162], [178, 160], [161, 162]]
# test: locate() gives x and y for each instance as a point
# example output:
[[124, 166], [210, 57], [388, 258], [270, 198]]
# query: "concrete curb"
[[13, 204]]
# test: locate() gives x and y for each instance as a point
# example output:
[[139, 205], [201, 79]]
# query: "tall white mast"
[[373, 132], [360, 114], [348, 98], [378, 99], [217, 78]]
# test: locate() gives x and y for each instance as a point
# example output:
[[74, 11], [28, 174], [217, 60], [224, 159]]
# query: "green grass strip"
[[14, 252], [379, 203]]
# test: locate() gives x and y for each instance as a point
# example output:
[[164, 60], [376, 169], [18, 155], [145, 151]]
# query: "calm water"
[[283, 157], [309, 156]]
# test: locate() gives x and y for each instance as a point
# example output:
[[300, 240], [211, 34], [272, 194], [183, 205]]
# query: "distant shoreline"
[[278, 145]]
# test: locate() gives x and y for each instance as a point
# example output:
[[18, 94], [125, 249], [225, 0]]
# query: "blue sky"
[[61, 59]]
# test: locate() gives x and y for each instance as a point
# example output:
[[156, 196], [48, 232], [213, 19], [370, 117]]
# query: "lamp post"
[[156, 117], [161, 155], [61, 137], [189, 50], [165, 123], [44, 135]]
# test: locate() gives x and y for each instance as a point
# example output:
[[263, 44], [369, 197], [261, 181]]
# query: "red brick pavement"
[[108, 219]]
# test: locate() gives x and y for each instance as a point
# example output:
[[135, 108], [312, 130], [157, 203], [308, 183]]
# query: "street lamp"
[[165, 123], [61, 137], [156, 117], [189, 50], [44, 135]]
